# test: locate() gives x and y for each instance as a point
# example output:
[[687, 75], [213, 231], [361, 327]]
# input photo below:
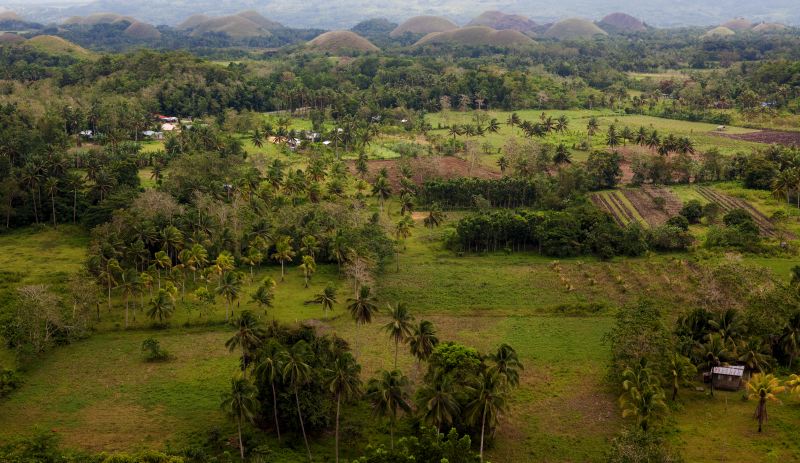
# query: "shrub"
[[670, 238], [636, 446], [679, 221], [153, 351], [693, 211], [9, 380]]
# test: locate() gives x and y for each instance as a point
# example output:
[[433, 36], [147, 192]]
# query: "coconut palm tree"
[[681, 371], [257, 139], [502, 163], [790, 338], [755, 354], [423, 340], [247, 337], [388, 394], [506, 365], [161, 306], [562, 155], [643, 397], [493, 126], [562, 124], [161, 261], [283, 252], [344, 383], [513, 120], [129, 281], [297, 373], [198, 259], [362, 309], [241, 405], [265, 293], [711, 354], [51, 188], [229, 287], [308, 267], [763, 387], [269, 368], [74, 183], [489, 400], [438, 403], [435, 217], [382, 190], [399, 326], [327, 299], [591, 128]]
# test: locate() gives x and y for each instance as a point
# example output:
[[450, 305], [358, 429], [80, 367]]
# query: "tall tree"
[[388, 394], [247, 337], [269, 368], [345, 384], [297, 373], [489, 400], [399, 326], [326, 299], [283, 252], [240, 404], [423, 340], [362, 308], [763, 387]]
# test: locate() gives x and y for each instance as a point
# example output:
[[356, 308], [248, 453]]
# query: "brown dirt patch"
[[643, 200], [766, 136], [426, 168]]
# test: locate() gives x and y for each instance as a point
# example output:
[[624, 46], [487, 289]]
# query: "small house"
[[168, 127], [727, 378]]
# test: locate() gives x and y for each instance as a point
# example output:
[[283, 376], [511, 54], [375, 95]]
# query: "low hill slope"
[[574, 28], [476, 36], [257, 18], [9, 37], [769, 27], [98, 18], [376, 26], [500, 21], [193, 21], [423, 25], [341, 41], [58, 46], [621, 22], [142, 31], [738, 24], [10, 16], [234, 26], [720, 31]]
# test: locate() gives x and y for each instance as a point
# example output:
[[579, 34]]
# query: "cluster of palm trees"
[[540, 129], [650, 139], [441, 402], [787, 183], [473, 130], [350, 133]]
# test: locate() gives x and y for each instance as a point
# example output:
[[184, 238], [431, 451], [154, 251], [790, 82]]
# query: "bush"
[[679, 221], [670, 238], [9, 380], [153, 351], [693, 211], [636, 446], [736, 217], [711, 212]]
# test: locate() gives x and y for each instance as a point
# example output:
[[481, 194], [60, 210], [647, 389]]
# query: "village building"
[[727, 378]]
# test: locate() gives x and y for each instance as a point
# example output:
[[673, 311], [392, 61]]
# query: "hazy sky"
[[345, 13]]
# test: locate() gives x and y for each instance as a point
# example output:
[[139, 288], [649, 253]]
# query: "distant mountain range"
[[338, 14]]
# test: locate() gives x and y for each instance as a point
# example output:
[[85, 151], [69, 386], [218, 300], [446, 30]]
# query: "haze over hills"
[[347, 13]]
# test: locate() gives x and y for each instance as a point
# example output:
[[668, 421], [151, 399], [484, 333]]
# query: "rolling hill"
[[257, 18], [193, 21], [10, 16], [142, 31], [341, 41], [9, 37], [423, 25], [621, 22], [98, 18], [769, 27], [58, 46], [240, 25], [499, 20], [476, 36], [573, 28], [720, 31], [738, 24]]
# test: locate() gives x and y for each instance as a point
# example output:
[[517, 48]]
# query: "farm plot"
[[728, 203], [766, 136], [655, 205], [616, 204]]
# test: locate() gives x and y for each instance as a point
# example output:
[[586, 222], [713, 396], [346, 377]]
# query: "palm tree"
[[74, 182], [345, 384], [763, 387], [265, 293], [248, 336], [713, 352], [229, 286], [308, 267], [297, 373], [362, 309], [423, 340], [513, 120], [129, 282], [435, 217], [327, 299], [612, 137], [643, 397], [161, 306], [493, 127], [438, 403], [240, 404], [283, 252], [455, 130], [488, 402], [682, 371], [562, 124], [198, 259], [389, 395], [562, 155], [382, 190], [268, 368], [257, 139], [790, 338], [399, 326], [51, 188], [502, 163], [591, 128], [506, 365], [161, 261], [755, 354]]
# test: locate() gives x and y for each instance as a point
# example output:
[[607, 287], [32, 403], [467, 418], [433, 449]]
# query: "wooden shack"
[[727, 378]]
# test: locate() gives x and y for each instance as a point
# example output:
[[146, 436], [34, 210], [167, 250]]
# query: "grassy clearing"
[[723, 429], [43, 255]]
